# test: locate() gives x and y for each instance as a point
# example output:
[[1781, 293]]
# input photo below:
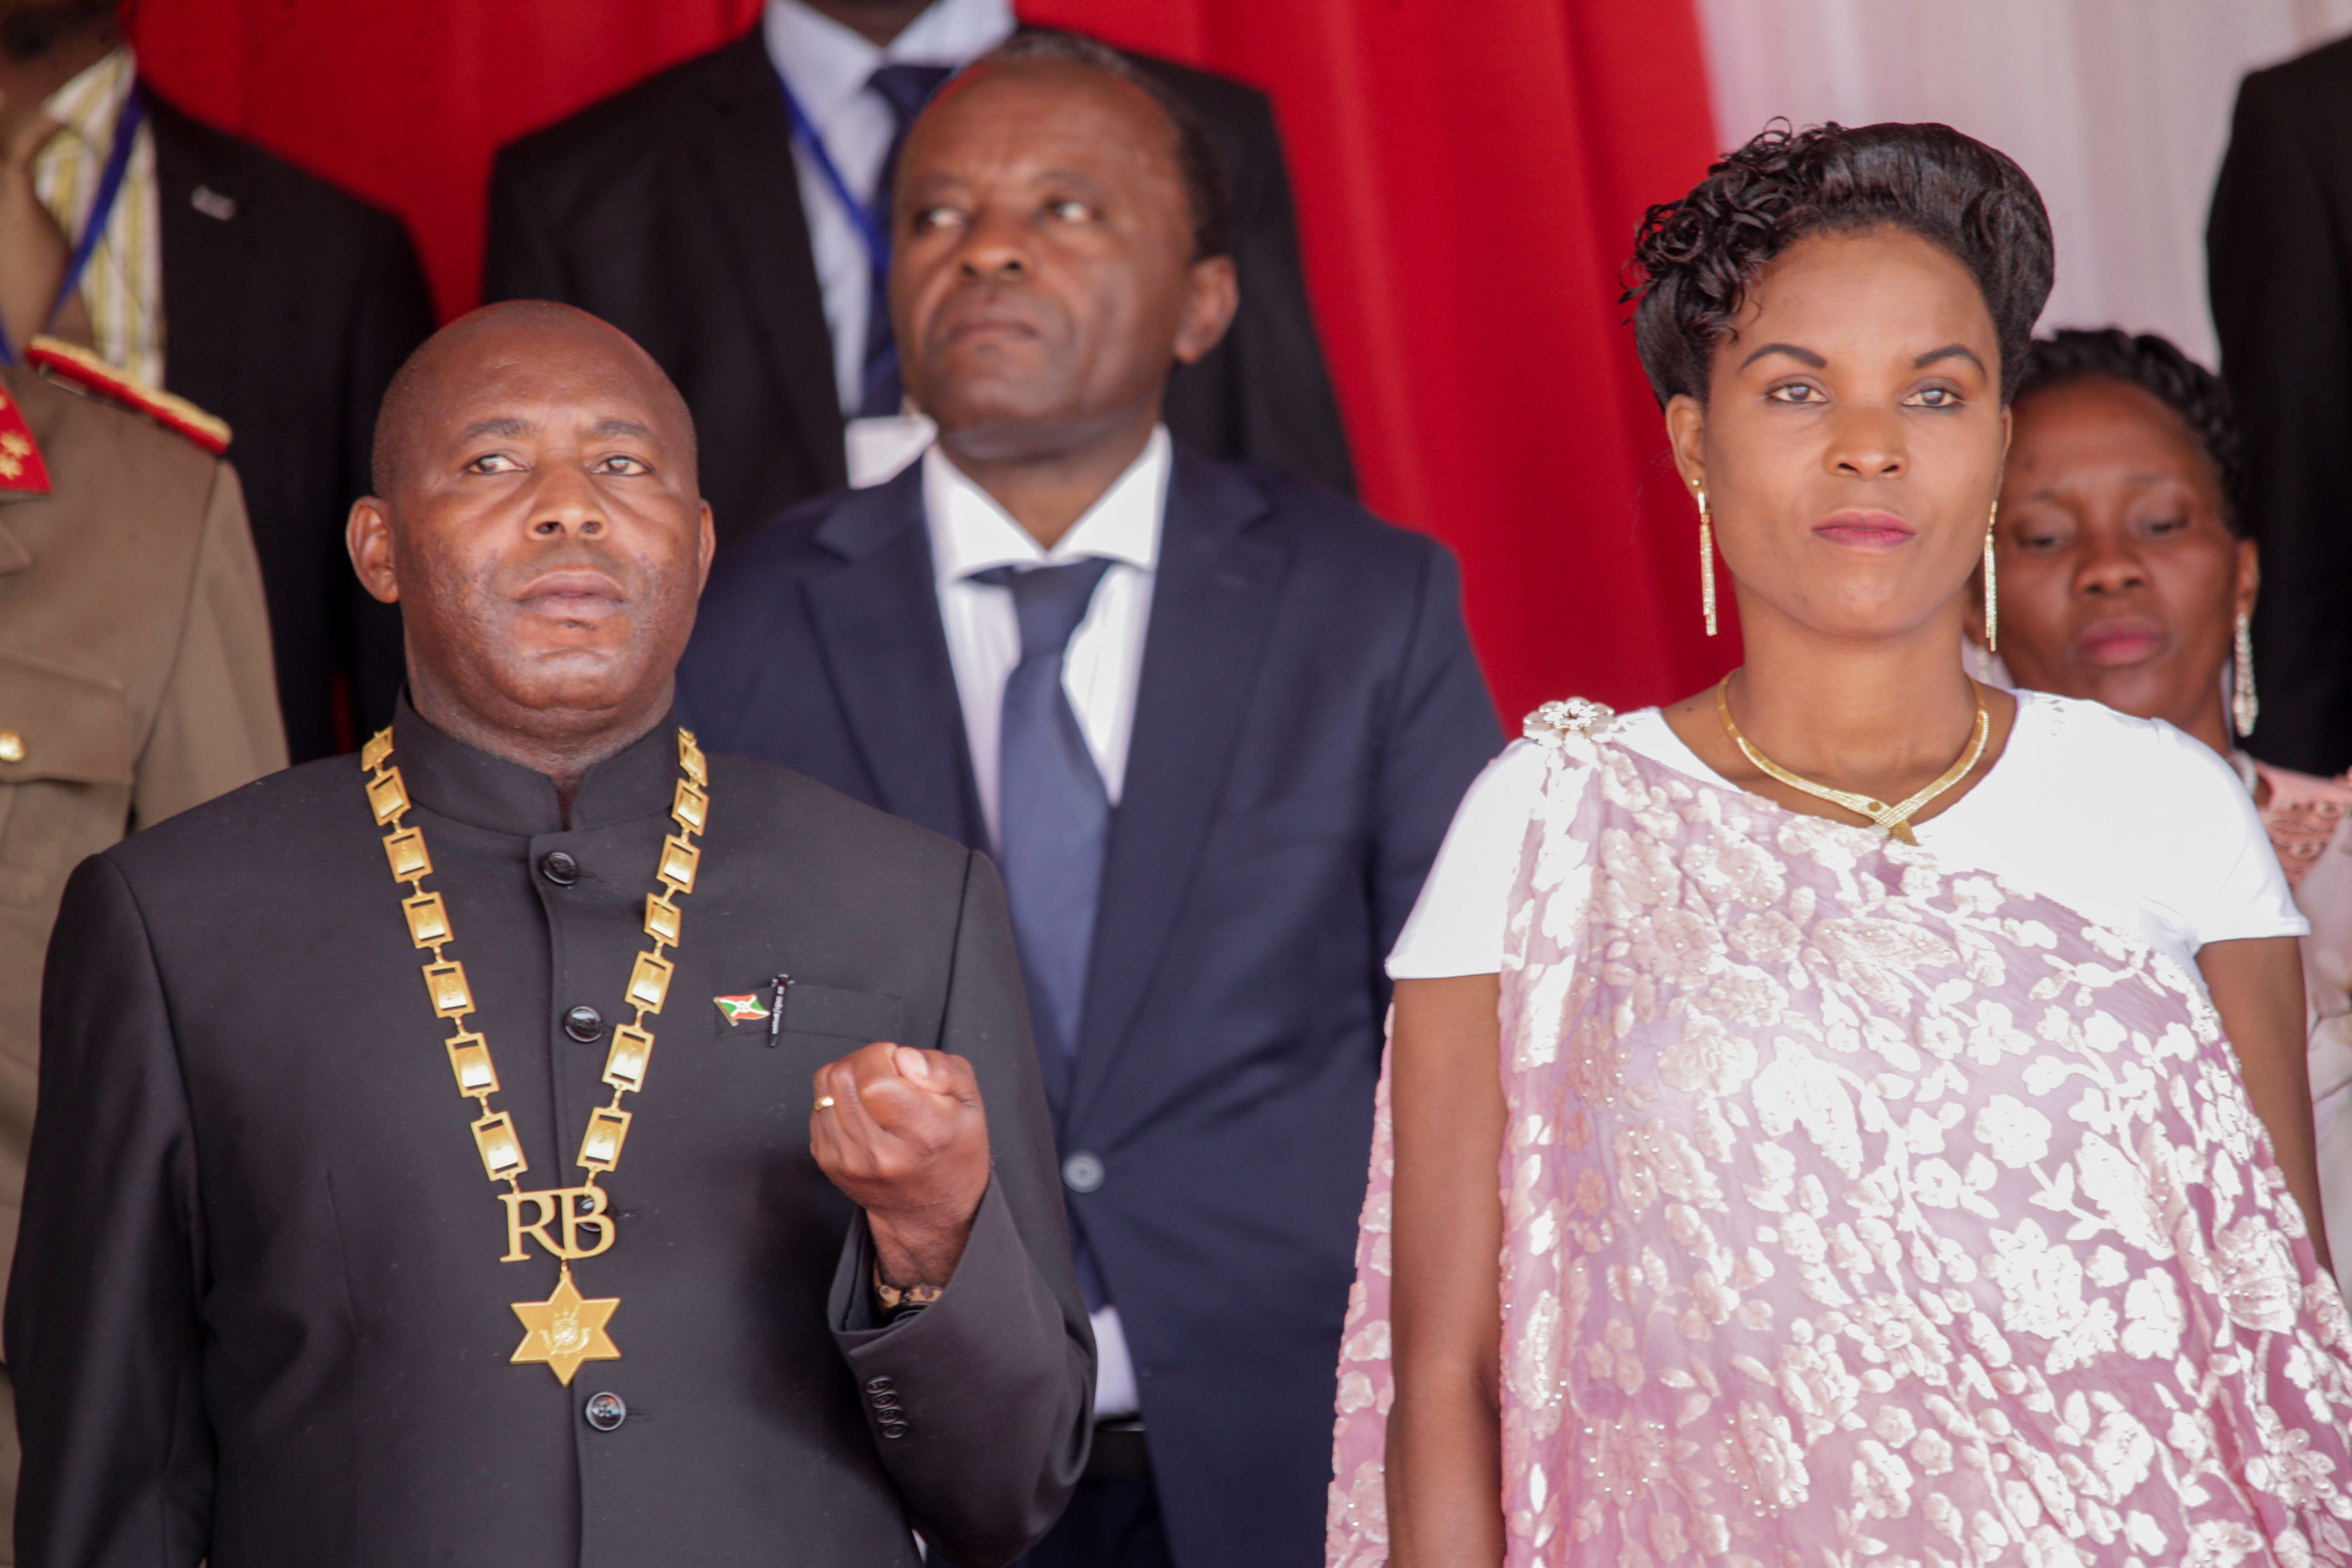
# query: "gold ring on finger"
[[824, 1103]]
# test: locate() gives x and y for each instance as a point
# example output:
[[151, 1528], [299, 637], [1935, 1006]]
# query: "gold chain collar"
[[565, 1329], [1895, 819]]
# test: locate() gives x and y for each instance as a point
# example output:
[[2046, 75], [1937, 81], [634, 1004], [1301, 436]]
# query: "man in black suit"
[[689, 212], [287, 1293], [290, 305], [1213, 720], [279, 304], [2278, 249]]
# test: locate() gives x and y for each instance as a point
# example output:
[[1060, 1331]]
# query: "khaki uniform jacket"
[[134, 675]]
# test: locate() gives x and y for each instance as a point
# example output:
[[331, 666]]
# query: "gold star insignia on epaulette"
[[21, 468]]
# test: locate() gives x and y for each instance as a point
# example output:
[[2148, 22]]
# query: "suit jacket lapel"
[[1213, 603], [752, 185], [877, 625], [205, 259]]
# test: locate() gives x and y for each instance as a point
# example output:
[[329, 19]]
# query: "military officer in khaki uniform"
[[134, 671]]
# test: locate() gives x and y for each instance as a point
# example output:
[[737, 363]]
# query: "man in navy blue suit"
[[1212, 721]]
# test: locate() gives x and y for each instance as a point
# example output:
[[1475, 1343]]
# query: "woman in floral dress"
[[1900, 1152], [2128, 574]]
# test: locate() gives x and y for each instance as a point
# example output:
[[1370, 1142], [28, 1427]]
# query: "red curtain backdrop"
[[1468, 180]]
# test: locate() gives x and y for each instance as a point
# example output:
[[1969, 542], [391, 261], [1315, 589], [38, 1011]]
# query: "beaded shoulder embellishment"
[[1580, 716]]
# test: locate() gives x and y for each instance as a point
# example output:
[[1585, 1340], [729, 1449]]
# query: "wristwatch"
[[902, 1301]]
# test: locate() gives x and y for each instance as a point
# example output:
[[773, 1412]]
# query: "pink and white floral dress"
[[1863, 1210]]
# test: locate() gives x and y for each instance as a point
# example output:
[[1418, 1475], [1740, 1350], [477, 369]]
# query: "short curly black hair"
[[2157, 366], [1208, 195], [1695, 259]]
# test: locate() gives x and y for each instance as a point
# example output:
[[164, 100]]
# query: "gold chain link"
[[453, 998]]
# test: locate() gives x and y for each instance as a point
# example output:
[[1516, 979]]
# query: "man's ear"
[[1209, 301], [705, 546], [368, 537]]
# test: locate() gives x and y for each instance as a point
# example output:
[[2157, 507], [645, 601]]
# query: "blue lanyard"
[[861, 217], [109, 187]]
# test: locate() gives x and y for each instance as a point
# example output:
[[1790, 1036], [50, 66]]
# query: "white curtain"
[[2118, 108]]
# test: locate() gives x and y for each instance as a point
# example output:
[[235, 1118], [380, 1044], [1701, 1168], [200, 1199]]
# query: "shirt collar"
[[971, 532], [827, 64], [450, 778], [88, 104]]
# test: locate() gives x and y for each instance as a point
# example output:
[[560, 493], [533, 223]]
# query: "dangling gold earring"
[[1706, 562], [2244, 708], [1992, 590]]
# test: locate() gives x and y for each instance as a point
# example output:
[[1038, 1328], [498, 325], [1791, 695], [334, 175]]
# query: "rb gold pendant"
[[565, 1329]]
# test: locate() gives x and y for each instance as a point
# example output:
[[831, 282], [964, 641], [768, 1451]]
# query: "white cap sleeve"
[[2132, 823], [2224, 877], [1456, 925]]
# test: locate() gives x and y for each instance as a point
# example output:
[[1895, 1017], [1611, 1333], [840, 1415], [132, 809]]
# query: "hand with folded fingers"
[[902, 1132]]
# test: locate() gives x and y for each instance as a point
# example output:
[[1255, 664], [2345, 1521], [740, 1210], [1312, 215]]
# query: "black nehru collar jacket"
[[260, 1313], [450, 778]]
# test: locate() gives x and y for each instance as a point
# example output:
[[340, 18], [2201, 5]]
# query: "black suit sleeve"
[[1289, 417], [992, 1388], [1263, 396], [1442, 730], [394, 315], [102, 1330], [518, 262], [2277, 269]]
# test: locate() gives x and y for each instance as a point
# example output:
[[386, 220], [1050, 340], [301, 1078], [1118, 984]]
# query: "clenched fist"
[[906, 1138]]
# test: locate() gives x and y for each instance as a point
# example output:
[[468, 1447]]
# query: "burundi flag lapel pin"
[[746, 1009]]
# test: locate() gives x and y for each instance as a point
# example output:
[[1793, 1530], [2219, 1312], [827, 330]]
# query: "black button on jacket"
[[259, 1315]]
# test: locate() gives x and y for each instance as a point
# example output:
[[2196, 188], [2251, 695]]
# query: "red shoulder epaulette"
[[22, 469], [77, 365]]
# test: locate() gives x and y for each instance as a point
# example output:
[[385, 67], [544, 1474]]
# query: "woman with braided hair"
[[1882, 1093], [2128, 576]]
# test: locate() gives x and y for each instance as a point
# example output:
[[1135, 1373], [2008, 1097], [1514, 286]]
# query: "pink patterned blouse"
[[1863, 1211], [2303, 816], [2309, 821]]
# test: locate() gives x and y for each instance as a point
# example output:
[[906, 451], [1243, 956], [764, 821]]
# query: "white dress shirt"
[[827, 67], [971, 532]]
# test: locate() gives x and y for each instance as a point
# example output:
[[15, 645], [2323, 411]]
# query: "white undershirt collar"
[[971, 532]]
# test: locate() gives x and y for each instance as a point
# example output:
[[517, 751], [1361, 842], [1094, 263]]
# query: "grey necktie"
[[1053, 812]]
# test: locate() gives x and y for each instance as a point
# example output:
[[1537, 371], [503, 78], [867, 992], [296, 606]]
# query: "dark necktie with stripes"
[[905, 89]]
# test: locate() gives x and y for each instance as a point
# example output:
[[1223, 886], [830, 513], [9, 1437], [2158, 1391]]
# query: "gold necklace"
[[1895, 819], [566, 1329]]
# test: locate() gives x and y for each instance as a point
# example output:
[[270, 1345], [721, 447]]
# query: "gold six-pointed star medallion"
[[565, 1329]]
